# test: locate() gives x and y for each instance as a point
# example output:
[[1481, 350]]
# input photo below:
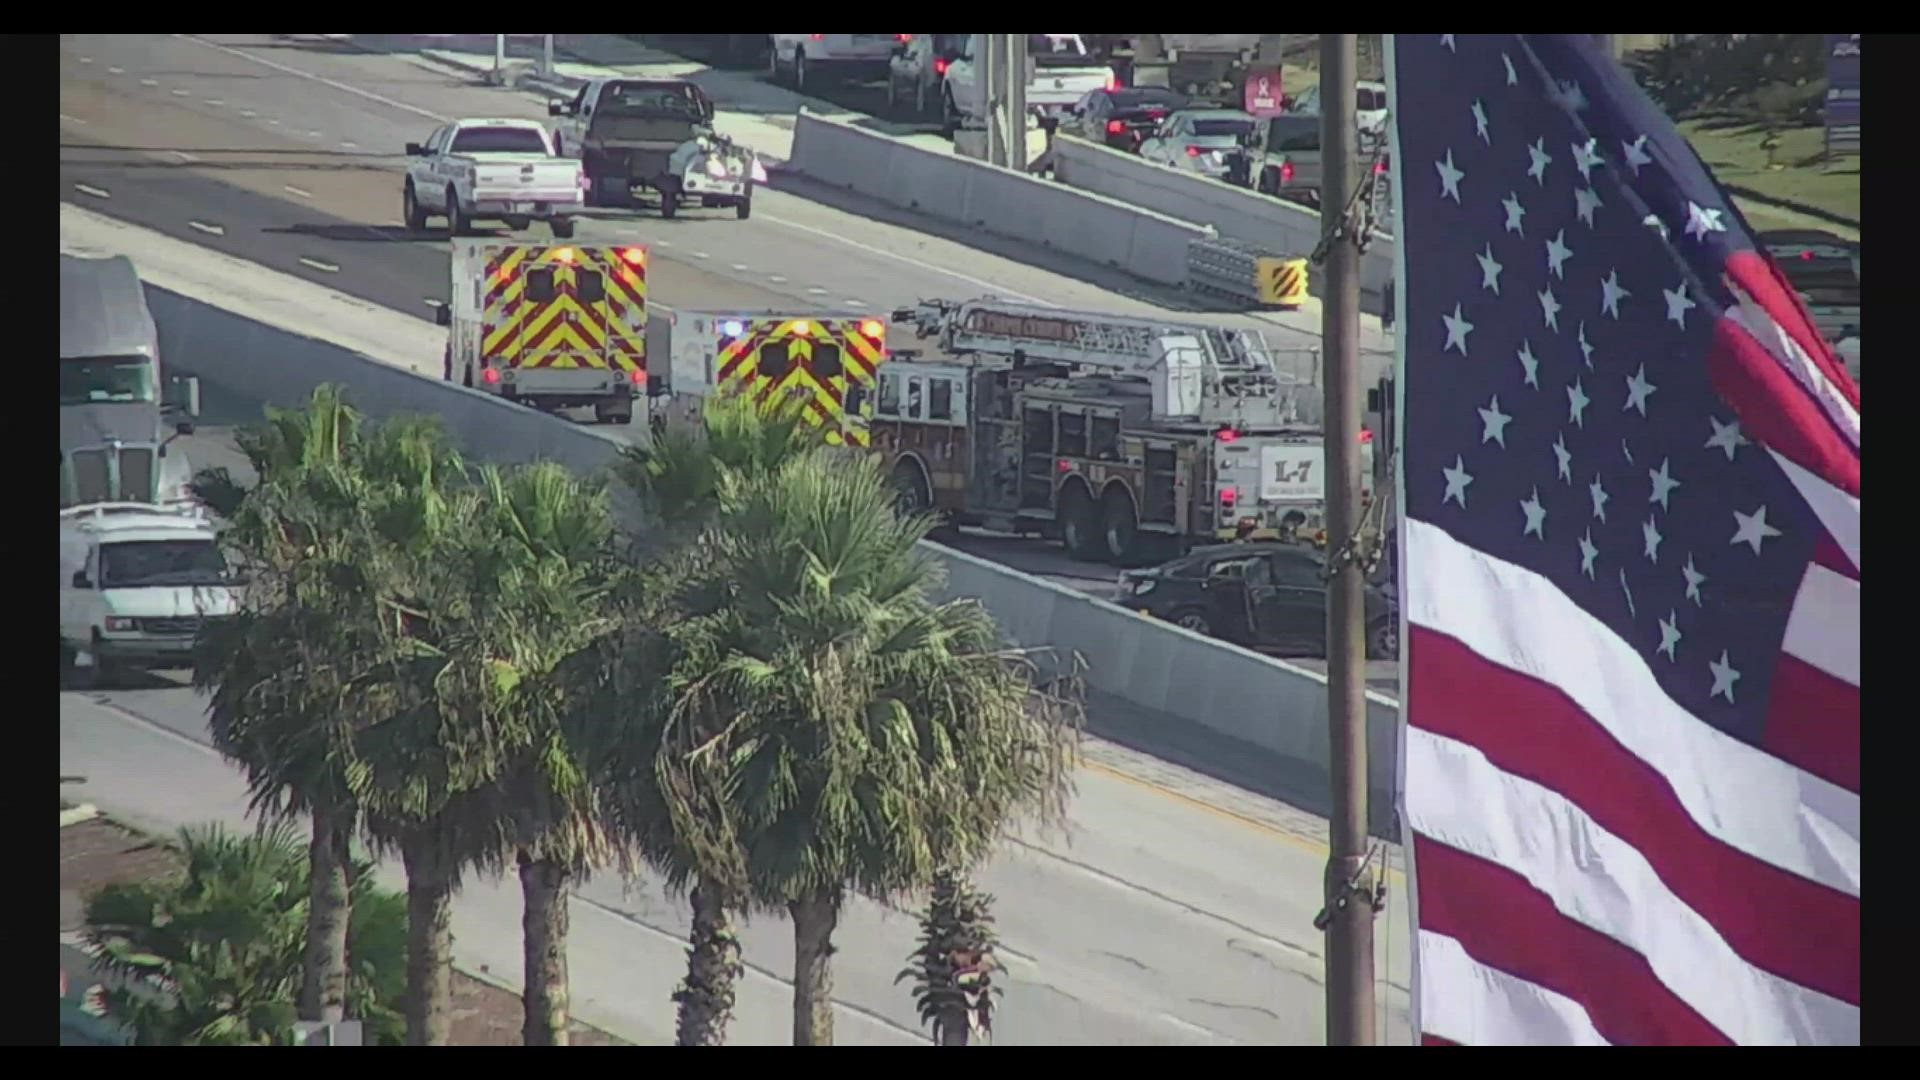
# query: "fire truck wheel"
[[1120, 528], [1080, 525], [562, 228], [669, 204], [613, 414], [910, 490]]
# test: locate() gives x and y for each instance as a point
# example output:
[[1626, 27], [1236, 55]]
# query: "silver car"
[[1202, 141]]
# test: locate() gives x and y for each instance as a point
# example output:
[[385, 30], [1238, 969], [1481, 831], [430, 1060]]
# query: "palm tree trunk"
[[323, 977], [814, 919], [543, 930], [713, 966], [429, 1008]]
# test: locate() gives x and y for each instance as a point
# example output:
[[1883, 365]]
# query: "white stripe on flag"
[[1837, 510], [1765, 329], [1483, 1006], [1824, 627], [1600, 881], [1743, 796]]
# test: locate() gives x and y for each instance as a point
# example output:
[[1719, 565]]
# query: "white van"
[[137, 582]]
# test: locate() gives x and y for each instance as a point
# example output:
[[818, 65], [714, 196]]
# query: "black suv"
[[1266, 596]]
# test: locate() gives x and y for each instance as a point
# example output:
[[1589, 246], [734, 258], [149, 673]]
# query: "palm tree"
[[560, 529], [862, 736], [953, 967], [213, 956], [280, 672]]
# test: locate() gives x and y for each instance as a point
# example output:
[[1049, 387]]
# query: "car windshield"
[[1293, 134], [133, 563], [1146, 99], [499, 140], [1222, 128], [93, 380], [1054, 45]]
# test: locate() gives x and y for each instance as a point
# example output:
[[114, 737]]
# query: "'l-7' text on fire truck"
[[823, 363], [553, 326], [1127, 438]]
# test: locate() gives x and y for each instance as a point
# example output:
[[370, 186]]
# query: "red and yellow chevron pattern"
[[812, 362], [555, 327]]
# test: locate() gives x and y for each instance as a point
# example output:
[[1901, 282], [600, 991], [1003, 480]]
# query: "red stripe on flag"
[[1507, 924], [1762, 280], [1774, 919], [1776, 410], [1830, 555], [1813, 720]]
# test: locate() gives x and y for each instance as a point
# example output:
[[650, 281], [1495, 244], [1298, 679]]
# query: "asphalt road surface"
[[285, 150]]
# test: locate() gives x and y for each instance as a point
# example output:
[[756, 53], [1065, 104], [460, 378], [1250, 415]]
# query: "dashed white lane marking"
[[116, 71], [816, 291], [183, 93], [854, 303], [149, 82], [215, 102], [210, 230], [326, 268], [86, 59], [663, 243], [699, 254], [273, 122], [999, 289], [248, 113], [297, 191], [183, 155], [73, 119], [313, 134], [89, 189], [349, 144], [739, 266], [777, 279]]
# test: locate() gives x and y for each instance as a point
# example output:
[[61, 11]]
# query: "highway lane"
[[288, 157], [1177, 908]]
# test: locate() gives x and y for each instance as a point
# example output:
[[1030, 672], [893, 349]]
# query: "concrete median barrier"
[[975, 195], [1234, 212], [269, 337]]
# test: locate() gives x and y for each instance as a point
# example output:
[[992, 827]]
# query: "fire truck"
[[552, 326], [825, 363], [1129, 439]]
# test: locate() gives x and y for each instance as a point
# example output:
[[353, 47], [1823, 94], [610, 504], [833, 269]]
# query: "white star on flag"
[[1636, 153], [1514, 212], [1494, 423], [1753, 529], [1541, 159], [1638, 388], [1529, 364], [1678, 305], [1457, 330], [1586, 156], [1701, 221], [1457, 481], [1480, 122], [1611, 294], [1576, 404], [1489, 271], [1725, 437], [1557, 254], [1550, 308], [1449, 178], [1585, 202]]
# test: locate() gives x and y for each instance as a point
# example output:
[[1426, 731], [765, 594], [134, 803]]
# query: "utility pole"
[[546, 55], [499, 55], [992, 76], [1016, 69], [1348, 918]]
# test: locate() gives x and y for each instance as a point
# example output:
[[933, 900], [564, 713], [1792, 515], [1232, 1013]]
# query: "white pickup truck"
[[492, 170], [1060, 71]]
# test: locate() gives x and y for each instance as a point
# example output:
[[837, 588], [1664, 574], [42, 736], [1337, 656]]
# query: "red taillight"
[[634, 255], [1113, 81], [1116, 127], [1806, 256], [818, 37], [904, 38], [1193, 151], [872, 328], [1065, 465], [490, 375], [940, 66], [1229, 496], [1286, 172], [1379, 168], [1366, 435], [1227, 435], [636, 376]]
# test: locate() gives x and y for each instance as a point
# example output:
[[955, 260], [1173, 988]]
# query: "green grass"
[[1794, 172]]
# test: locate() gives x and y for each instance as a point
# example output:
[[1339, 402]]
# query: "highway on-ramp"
[[285, 150]]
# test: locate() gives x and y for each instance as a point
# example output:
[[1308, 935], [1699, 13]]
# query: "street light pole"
[[1348, 917]]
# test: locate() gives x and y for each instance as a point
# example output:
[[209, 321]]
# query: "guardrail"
[[1233, 212], [211, 313], [976, 195]]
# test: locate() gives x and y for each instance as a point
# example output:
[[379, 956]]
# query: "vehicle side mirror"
[[443, 315], [80, 580], [184, 427], [183, 395], [656, 386], [414, 149], [557, 108]]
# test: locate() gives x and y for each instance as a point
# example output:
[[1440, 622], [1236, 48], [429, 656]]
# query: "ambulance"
[[553, 326], [824, 363]]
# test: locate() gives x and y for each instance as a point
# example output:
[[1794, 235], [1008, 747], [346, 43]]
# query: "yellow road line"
[[1294, 839]]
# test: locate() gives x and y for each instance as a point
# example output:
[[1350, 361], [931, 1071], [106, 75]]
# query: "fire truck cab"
[[1128, 439]]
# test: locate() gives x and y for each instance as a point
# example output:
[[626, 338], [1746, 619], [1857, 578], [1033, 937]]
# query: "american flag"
[[1631, 771]]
